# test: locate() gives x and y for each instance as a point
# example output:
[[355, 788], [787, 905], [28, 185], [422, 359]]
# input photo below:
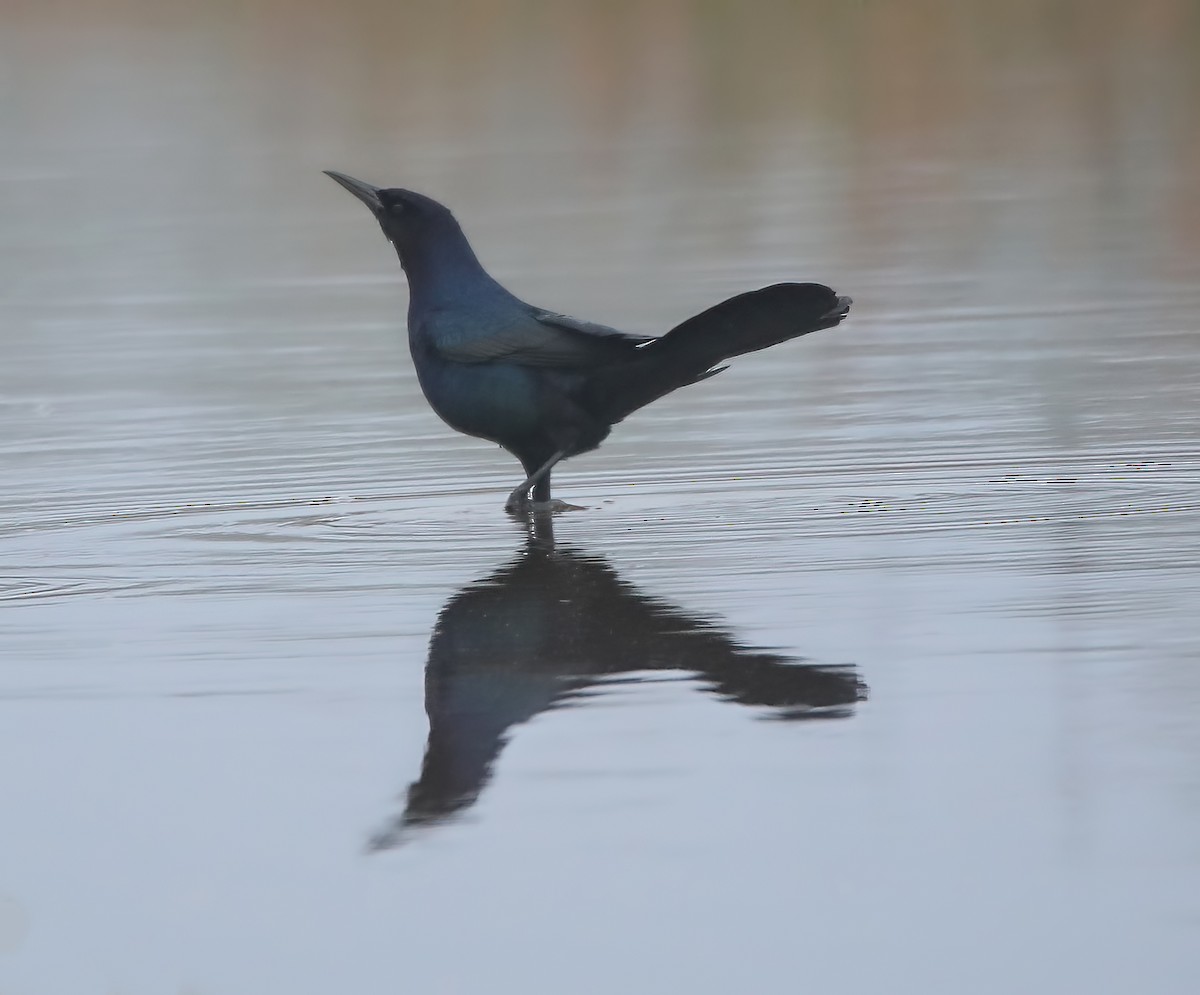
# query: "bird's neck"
[[442, 268]]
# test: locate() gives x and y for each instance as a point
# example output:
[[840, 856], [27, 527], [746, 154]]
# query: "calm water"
[[872, 665]]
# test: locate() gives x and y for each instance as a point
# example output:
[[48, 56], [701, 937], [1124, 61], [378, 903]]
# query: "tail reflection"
[[537, 632]]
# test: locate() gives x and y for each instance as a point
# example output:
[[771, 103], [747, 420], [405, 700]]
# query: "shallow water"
[[869, 665]]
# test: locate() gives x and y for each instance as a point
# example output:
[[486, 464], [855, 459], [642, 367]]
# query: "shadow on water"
[[540, 631]]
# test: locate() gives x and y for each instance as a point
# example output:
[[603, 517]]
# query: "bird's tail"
[[692, 350]]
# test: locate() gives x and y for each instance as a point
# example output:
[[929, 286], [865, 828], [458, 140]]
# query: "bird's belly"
[[489, 400]]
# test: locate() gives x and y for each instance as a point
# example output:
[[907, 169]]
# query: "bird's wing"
[[543, 339], [588, 327]]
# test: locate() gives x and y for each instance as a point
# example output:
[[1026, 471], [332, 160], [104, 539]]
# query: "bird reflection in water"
[[540, 631]]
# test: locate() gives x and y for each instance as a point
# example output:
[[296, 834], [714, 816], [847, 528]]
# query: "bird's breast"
[[496, 401]]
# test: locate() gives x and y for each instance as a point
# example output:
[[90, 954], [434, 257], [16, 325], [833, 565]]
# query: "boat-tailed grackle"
[[546, 386]]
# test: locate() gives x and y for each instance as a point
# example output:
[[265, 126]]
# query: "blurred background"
[[233, 536]]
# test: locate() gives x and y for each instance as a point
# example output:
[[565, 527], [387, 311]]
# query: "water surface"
[[870, 665]]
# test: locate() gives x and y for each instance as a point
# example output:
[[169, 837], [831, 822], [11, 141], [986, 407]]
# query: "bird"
[[543, 385]]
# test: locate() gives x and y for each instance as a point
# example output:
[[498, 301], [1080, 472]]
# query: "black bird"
[[543, 385], [554, 627]]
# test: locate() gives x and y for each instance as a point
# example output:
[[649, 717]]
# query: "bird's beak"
[[368, 194]]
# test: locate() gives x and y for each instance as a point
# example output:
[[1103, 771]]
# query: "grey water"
[[871, 665]]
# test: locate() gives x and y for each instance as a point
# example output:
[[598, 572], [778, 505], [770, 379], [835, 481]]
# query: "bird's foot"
[[518, 503], [522, 507], [553, 507]]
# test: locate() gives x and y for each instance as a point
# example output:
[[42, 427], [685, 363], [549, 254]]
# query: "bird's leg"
[[539, 481], [541, 490]]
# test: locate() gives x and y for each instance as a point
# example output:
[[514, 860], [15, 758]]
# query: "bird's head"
[[405, 217]]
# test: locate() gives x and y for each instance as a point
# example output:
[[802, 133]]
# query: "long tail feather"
[[691, 350]]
